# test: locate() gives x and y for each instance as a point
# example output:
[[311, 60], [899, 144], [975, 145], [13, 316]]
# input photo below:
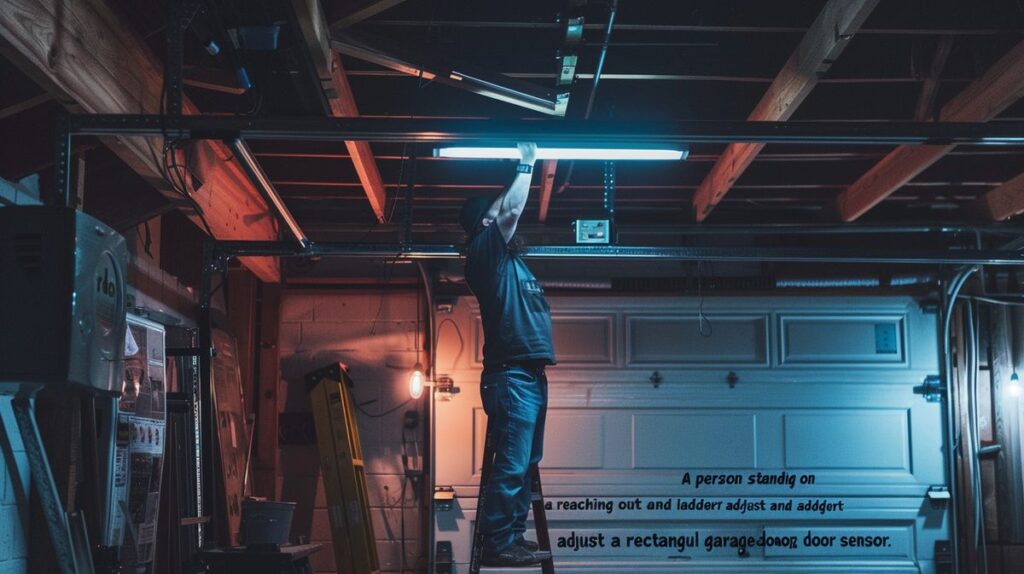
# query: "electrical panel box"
[[62, 299], [593, 231]]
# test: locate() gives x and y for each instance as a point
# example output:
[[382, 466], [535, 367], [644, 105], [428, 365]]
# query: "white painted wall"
[[375, 335]]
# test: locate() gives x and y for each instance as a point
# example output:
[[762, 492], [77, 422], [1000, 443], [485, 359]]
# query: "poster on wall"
[[140, 438]]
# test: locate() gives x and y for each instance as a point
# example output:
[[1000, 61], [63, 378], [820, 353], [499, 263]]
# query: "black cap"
[[473, 211]]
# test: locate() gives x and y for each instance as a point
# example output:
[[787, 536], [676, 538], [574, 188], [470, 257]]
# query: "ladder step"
[[544, 555]]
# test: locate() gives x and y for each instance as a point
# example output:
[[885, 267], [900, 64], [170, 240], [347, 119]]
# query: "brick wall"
[[13, 518], [375, 335]]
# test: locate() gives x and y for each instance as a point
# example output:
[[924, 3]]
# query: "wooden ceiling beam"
[[930, 86], [1003, 202], [91, 60], [821, 45], [547, 183], [984, 99], [338, 94]]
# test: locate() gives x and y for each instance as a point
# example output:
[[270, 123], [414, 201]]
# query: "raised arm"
[[509, 206]]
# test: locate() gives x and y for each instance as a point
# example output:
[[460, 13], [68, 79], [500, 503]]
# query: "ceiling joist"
[[1002, 202], [337, 92], [984, 99], [831, 31]]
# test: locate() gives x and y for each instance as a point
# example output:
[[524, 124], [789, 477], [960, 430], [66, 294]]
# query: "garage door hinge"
[[938, 493], [444, 561], [943, 557], [444, 497], [933, 389]]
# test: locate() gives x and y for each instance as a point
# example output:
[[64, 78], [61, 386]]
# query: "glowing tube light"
[[576, 153]]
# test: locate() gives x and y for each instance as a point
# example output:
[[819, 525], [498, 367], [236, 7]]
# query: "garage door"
[[782, 436]]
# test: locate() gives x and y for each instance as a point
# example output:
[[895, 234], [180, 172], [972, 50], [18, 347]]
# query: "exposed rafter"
[[1000, 86], [354, 12], [88, 58], [819, 48], [338, 95], [930, 86], [362, 156], [1003, 202], [547, 183]]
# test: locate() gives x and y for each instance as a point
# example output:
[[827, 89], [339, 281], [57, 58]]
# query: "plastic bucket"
[[266, 522]]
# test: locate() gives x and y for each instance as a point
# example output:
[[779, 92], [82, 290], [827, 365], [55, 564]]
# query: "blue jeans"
[[515, 400]]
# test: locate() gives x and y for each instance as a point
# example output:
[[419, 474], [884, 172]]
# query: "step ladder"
[[540, 519], [341, 464]]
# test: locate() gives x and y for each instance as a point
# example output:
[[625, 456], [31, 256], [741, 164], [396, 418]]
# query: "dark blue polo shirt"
[[515, 314]]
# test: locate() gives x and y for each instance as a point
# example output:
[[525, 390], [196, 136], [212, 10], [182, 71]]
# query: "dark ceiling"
[[667, 60]]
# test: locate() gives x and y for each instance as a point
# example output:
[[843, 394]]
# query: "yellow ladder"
[[341, 464]]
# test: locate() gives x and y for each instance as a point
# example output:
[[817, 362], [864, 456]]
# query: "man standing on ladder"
[[517, 348]]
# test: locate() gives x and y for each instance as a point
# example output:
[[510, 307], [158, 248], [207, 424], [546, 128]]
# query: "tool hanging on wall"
[[341, 465]]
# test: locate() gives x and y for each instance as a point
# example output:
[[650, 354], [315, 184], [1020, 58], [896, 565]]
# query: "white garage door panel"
[[731, 339], [690, 440], [822, 544], [824, 398], [843, 339], [848, 439]]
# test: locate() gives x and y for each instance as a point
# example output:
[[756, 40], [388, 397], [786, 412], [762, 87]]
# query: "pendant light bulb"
[[1014, 387], [416, 381]]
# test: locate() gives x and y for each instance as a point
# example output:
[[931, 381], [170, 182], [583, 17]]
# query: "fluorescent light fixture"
[[577, 153]]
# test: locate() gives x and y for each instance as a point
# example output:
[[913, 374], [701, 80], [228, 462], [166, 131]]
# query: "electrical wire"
[[360, 408], [973, 430], [952, 434], [458, 331], [704, 327], [992, 301]]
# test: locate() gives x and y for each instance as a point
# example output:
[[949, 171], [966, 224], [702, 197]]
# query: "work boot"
[[514, 556], [528, 544]]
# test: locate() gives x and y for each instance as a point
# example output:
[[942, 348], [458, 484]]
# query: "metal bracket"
[[609, 190], [179, 14], [938, 493], [62, 164], [444, 562], [444, 497], [933, 389], [445, 384], [943, 557]]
